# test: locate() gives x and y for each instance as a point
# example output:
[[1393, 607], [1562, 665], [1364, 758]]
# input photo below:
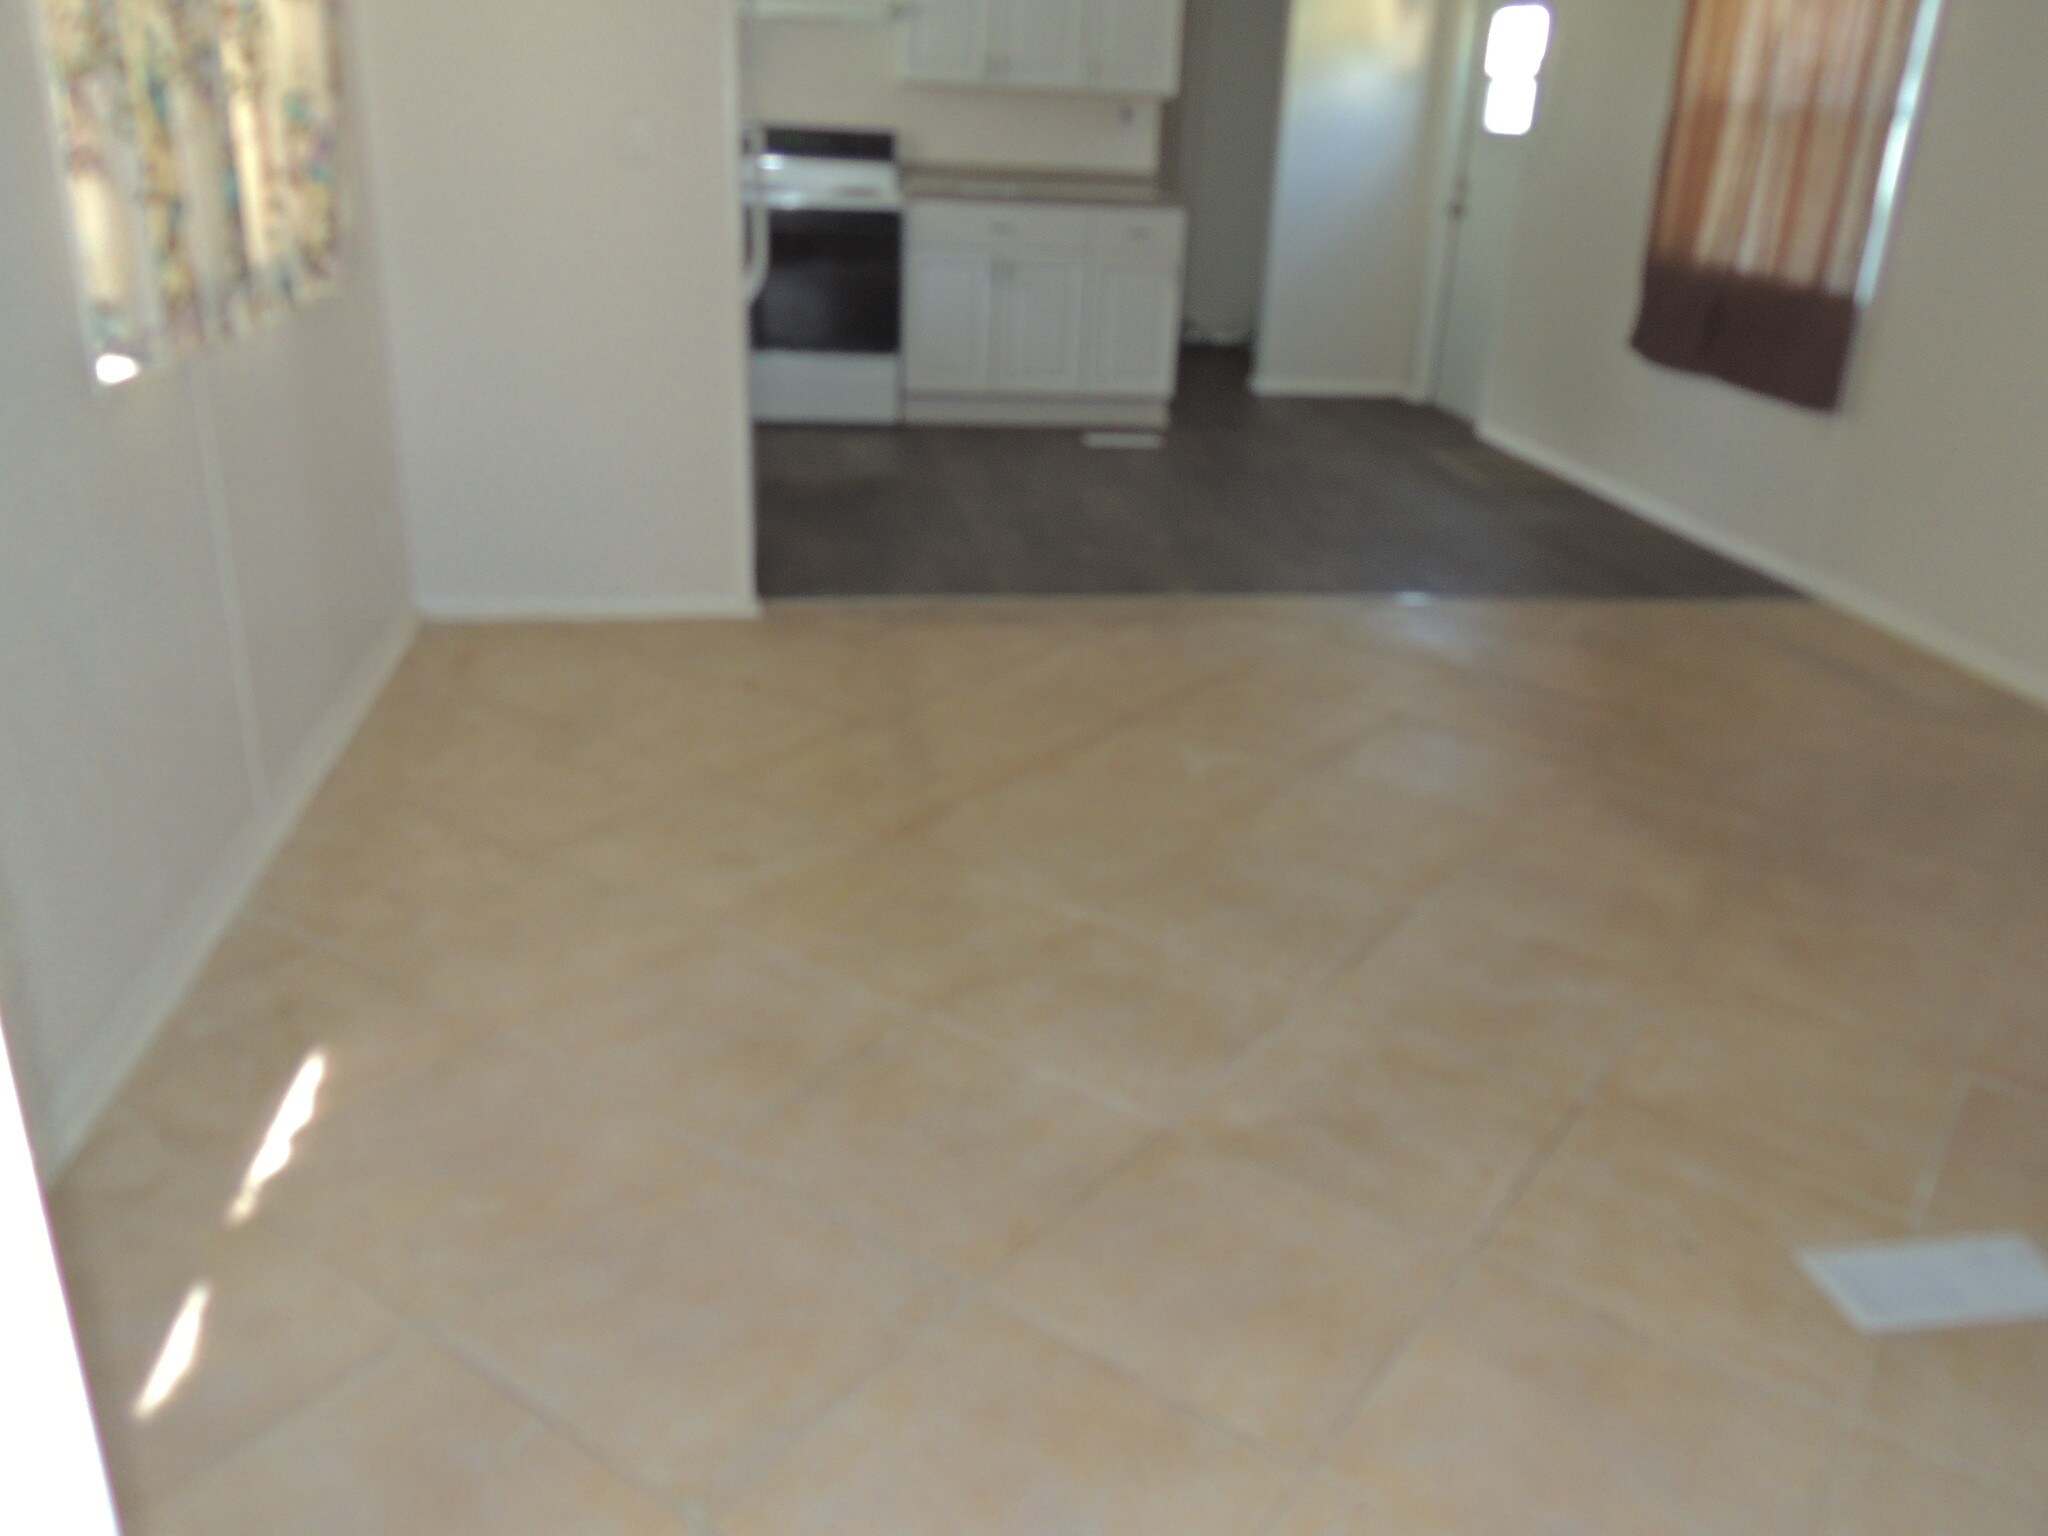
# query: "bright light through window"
[[293, 1115], [1510, 107], [1516, 44], [179, 1354]]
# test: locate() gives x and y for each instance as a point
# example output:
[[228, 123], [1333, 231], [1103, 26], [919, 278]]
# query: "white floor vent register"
[[1909, 1287]]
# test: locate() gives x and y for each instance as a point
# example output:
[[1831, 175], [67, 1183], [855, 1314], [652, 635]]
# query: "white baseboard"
[[1882, 612], [161, 984], [1270, 387], [1079, 412], [585, 610]]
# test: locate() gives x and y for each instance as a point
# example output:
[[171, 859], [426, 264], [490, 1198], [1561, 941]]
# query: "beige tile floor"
[[1211, 1068]]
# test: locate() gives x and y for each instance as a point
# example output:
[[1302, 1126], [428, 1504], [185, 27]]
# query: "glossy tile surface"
[[992, 1426], [1265, 1067], [1515, 1409], [1265, 1302], [1690, 1238], [959, 1153]]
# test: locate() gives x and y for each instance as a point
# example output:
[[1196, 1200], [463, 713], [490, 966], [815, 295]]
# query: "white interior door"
[[1481, 247]]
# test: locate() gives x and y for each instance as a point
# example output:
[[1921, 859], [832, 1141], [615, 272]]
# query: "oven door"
[[835, 282]]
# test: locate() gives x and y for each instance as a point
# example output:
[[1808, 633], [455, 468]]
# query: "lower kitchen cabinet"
[[949, 321], [1041, 302], [1034, 314], [1134, 329]]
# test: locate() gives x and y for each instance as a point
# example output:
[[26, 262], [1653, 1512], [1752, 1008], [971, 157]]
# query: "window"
[[1787, 139], [198, 145], [1516, 44]]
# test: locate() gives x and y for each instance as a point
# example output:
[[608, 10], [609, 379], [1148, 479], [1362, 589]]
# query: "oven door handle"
[[757, 248], [754, 203]]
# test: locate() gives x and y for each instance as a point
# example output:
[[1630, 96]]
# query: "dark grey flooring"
[[1247, 495]]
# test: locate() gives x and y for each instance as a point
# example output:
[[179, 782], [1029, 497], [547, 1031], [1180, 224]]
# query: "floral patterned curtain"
[[199, 143]]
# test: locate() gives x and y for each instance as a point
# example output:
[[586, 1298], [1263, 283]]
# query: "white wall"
[[1941, 509], [841, 75], [1563, 375], [1228, 133], [1348, 265], [201, 580], [1922, 503], [557, 192]]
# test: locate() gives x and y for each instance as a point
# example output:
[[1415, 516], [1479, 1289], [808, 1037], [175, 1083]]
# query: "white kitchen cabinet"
[[1035, 42], [1128, 47], [1134, 46], [1040, 309], [946, 42], [1133, 329], [949, 321], [1023, 313]]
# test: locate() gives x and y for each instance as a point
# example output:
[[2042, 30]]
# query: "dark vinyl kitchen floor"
[[1246, 496]]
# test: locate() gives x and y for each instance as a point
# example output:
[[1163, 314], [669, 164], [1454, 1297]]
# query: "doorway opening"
[[1493, 106], [1112, 311]]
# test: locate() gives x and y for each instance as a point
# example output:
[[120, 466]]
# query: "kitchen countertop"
[[1030, 186]]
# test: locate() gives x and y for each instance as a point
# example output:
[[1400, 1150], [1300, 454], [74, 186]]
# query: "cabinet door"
[[946, 40], [1135, 46], [1039, 307], [1035, 42], [949, 322], [1134, 330]]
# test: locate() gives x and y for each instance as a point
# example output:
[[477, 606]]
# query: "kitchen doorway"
[[1066, 218]]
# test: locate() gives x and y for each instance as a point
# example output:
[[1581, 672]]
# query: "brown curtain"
[[1778, 133]]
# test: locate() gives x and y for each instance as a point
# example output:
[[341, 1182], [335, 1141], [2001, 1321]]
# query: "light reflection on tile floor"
[[1319, 1068]]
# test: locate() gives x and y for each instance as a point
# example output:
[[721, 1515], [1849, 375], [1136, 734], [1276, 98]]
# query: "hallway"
[[1229, 1068], [1247, 496]]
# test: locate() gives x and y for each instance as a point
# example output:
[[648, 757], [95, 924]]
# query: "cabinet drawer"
[[1007, 225], [1137, 231]]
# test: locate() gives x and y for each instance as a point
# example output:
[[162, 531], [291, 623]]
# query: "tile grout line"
[[1309, 1465], [1928, 1186], [441, 1334], [277, 1423], [1468, 1254], [792, 1438]]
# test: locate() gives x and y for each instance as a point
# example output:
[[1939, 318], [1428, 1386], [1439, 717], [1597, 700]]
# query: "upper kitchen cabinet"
[[946, 41], [1035, 42], [1128, 47], [1134, 46]]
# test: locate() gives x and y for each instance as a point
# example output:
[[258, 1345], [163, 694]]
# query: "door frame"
[[1456, 90]]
